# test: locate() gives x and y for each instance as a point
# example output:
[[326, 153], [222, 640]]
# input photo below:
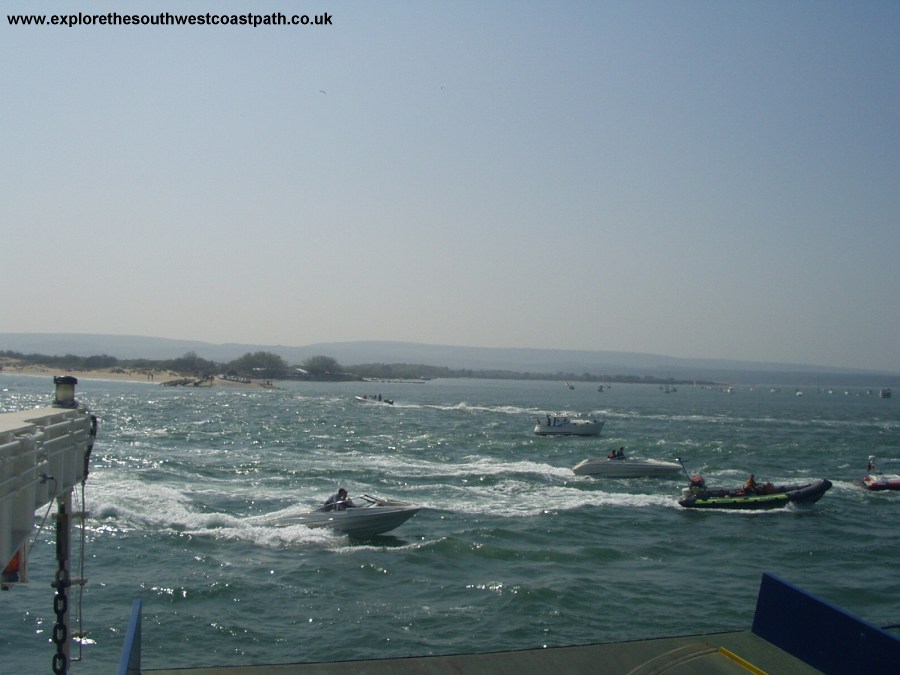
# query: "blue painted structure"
[[820, 634], [130, 661]]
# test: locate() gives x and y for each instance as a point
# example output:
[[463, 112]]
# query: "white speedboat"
[[564, 425], [375, 516], [374, 399], [627, 467]]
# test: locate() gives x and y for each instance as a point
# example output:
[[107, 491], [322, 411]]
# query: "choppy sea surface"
[[511, 551]]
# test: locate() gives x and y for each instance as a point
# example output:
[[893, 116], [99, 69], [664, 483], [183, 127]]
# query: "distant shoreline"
[[393, 360], [164, 377], [149, 376]]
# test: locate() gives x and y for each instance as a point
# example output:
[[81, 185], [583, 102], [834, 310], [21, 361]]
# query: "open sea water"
[[511, 551]]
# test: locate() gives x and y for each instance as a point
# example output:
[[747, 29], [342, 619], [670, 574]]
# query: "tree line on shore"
[[271, 366]]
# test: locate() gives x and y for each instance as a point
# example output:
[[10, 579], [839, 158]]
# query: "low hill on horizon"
[[522, 360]]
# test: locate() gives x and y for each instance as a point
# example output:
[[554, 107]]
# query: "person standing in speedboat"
[[339, 501]]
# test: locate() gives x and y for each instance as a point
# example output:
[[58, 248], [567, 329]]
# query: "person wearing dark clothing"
[[338, 501]]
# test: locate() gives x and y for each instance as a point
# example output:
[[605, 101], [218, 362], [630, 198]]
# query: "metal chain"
[[61, 600], [63, 581], [60, 629]]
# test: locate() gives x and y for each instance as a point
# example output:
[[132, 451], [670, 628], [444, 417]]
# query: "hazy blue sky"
[[698, 179]]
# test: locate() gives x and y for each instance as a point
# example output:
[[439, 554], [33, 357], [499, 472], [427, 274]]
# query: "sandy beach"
[[153, 376]]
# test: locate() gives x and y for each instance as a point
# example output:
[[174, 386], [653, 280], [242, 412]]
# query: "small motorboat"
[[875, 480], [375, 516], [755, 497], [626, 467], [374, 399], [565, 425]]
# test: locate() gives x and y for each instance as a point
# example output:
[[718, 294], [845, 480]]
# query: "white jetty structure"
[[44, 456]]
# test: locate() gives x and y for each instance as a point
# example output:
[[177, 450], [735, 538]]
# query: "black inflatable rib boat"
[[765, 496]]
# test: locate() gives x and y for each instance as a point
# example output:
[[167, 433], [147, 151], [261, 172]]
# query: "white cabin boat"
[[564, 425]]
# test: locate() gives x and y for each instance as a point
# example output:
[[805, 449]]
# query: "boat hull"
[[570, 428], [359, 522], [778, 497], [627, 468], [878, 482]]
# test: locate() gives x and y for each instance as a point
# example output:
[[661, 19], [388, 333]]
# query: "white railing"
[[43, 455]]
